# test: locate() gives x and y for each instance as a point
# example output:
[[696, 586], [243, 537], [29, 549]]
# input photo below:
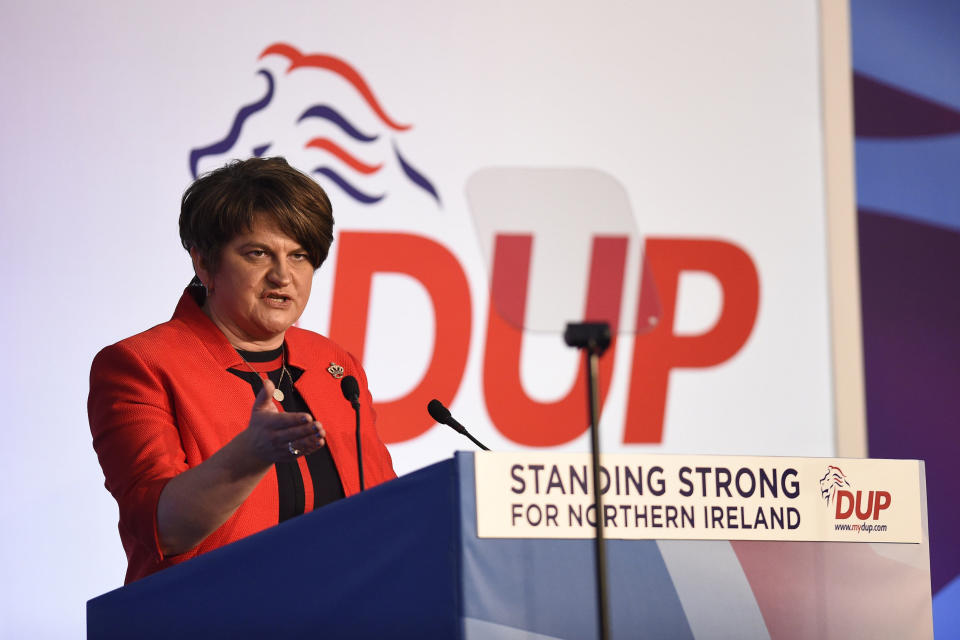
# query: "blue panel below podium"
[[384, 564]]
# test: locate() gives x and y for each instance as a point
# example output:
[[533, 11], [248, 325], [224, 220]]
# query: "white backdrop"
[[706, 114]]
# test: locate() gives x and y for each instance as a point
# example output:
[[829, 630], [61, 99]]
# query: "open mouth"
[[277, 297]]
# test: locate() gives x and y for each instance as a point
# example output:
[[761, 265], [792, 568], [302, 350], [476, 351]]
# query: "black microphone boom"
[[351, 391], [442, 415]]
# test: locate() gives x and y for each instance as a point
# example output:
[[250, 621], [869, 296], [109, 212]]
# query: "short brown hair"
[[223, 203]]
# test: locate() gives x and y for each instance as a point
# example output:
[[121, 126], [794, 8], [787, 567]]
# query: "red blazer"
[[163, 401]]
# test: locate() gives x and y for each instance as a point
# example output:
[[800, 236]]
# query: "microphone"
[[442, 415], [351, 391]]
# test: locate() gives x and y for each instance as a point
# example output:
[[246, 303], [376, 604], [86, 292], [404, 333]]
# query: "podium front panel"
[[403, 560]]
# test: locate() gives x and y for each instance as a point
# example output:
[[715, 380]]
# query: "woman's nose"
[[279, 273]]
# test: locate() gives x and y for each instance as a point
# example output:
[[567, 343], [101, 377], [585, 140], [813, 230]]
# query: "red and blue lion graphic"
[[831, 481], [338, 165]]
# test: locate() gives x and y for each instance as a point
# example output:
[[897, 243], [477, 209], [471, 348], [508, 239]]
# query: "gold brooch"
[[335, 370]]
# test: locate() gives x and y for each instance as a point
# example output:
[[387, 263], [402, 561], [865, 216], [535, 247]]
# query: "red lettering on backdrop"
[[360, 256], [515, 414], [658, 351]]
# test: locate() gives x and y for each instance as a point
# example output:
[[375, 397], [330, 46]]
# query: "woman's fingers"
[[280, 435], [304, 439], [298, 431], [268, 434], [292, 435], [278, 421]]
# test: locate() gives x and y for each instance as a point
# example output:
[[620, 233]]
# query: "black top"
[[323, 473]]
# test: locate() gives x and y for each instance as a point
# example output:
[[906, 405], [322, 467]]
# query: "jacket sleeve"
[[136, 439]]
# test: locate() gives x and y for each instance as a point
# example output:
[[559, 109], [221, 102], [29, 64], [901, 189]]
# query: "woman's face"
[[260, 287]]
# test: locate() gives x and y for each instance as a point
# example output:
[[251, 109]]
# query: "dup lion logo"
[[347, 146], [831, 481]]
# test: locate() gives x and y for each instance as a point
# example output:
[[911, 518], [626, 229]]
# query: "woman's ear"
[[202, 269]]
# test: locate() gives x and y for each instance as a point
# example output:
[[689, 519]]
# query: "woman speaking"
[[227, 419]]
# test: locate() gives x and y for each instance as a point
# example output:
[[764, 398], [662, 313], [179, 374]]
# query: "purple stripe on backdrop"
[[882, 110], [348, 188], [911, 336], [326, 112], [415, 176], [224, 145]]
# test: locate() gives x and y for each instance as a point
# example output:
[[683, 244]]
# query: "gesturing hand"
[[274, 436]]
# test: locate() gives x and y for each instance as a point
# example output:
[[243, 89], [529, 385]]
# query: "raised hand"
[[272, 435]]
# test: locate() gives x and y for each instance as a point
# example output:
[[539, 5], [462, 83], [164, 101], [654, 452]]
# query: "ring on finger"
[[293, 450]]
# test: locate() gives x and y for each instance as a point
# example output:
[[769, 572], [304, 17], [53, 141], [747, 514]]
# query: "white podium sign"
[[550, 495]]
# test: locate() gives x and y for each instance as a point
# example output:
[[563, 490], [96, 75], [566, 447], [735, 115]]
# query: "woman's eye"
[[256, 253], [301, 256]]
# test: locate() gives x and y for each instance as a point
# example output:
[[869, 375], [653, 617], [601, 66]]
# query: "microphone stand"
[[593, 338], [475, 441], [356, 411], [351, 391]]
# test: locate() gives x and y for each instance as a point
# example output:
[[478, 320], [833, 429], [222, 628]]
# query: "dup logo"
[[835, 489], [319, 112]]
